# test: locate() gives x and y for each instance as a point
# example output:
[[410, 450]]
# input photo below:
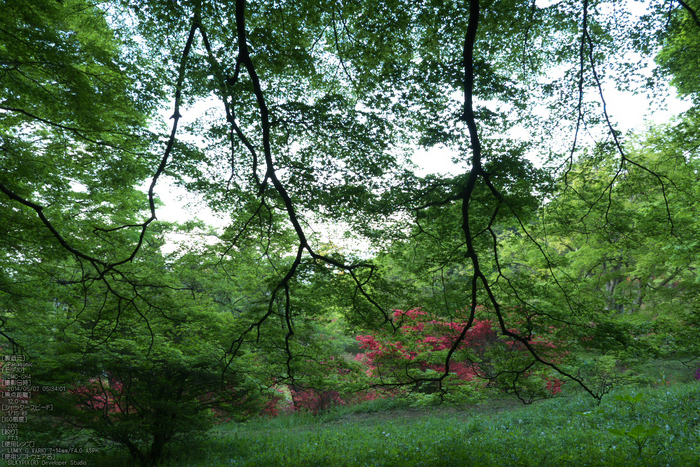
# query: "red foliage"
[[426, 334], [311, 400], [554, 386], [101, 395], [420, 335]]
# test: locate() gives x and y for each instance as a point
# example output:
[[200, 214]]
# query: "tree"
[[144, 369], [73, 139], [679, 56], [318, 106]]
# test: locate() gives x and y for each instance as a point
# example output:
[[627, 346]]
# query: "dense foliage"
[[564, 249]]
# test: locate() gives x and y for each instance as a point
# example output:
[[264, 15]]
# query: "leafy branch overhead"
[[290, 121]]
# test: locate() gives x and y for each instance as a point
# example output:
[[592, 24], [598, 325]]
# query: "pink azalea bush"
[[420, 336], [423, 341], [100, 395]]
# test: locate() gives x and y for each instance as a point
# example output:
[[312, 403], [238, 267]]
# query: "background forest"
[[561, 258]]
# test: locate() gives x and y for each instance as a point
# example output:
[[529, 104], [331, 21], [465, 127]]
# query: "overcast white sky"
[[627, 111]]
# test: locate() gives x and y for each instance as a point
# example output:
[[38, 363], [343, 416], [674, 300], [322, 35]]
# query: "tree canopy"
[[304, 116]]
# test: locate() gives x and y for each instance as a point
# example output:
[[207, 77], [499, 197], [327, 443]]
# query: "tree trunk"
[[156, 452]]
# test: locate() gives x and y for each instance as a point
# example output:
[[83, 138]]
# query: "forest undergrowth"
[[655, 425]]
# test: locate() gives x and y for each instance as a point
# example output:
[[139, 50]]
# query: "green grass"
[[559, 432]]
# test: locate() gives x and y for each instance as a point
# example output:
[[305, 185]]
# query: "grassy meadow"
[[655, 425]]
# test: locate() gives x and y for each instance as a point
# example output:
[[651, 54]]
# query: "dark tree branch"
[[224, 89], [691, 12], [244, 61], [151, 196], [79, 132], [618, 145], [61, 240], [477, 172], [581, 79]]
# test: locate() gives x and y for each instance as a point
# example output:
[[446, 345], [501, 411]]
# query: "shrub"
[[417, 354]]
